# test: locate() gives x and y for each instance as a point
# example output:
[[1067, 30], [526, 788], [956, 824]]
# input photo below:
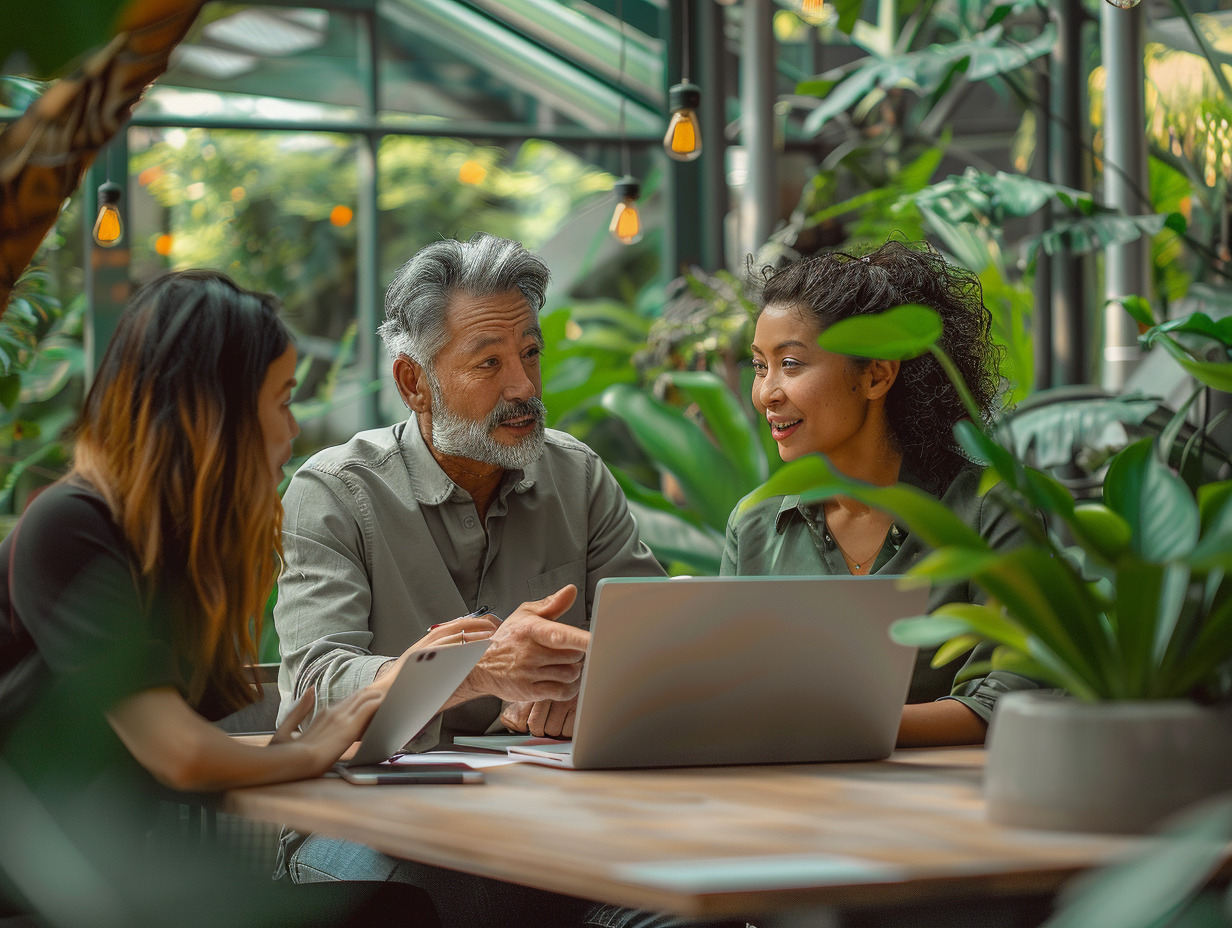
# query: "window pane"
[[275, 210]]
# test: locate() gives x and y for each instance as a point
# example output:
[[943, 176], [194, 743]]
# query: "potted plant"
[[1131, 622]]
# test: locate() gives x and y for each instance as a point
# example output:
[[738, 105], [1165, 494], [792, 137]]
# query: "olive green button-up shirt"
[[782, 536], [380, 544]]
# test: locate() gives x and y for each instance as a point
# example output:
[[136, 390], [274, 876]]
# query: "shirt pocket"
[[547, 583]]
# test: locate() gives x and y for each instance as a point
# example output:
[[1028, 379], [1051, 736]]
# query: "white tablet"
[[421, 688]]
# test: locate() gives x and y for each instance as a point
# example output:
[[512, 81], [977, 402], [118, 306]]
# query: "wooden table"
[[745, 841]]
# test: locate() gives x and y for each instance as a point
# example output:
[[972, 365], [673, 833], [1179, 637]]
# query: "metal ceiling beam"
[[593, 45], [527, 67]]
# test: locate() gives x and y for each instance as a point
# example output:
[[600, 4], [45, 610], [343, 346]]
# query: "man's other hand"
[[545, 718], [532, 657]]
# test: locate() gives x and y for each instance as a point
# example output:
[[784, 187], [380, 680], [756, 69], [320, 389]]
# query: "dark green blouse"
[[782, 536]]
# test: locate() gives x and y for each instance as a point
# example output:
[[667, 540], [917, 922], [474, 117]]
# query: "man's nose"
[[519, 386]]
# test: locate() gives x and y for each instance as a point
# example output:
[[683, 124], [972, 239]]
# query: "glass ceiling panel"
[[264, 62], [538, 64]]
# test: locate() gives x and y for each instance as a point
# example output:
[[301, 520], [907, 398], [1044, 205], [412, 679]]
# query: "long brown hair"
[[171, 437]]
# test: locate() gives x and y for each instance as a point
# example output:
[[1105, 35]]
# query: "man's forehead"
[[472, 317]]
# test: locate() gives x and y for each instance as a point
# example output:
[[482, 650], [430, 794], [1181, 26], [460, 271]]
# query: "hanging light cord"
[[624, 143], [685, 42]]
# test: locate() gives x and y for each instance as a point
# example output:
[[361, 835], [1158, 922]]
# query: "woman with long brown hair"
[[136, 585]]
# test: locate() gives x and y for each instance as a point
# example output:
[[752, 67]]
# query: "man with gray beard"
[[468, 507]]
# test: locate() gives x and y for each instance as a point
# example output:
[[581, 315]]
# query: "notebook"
[[417, 694], [739, 670]]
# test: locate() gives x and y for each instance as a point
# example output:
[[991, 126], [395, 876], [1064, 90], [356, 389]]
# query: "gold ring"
[[464, 636]]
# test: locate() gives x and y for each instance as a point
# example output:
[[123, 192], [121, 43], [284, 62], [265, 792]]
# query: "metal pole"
[[1041, 374], [1066, 167], [711, 54], [1127, 266], [367, 241], [759, 197]]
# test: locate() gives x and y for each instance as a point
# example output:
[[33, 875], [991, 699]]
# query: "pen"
[[482, 610]]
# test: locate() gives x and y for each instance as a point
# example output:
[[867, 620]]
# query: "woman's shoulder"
[[69, 498], [65, 513]]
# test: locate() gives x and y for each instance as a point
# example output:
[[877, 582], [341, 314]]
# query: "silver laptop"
[[422, 686], [739, 670]]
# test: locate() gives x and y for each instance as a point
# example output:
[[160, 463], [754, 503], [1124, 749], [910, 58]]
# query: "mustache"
[[505, 410]]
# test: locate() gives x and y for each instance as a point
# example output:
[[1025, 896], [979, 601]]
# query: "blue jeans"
[[461, 900]]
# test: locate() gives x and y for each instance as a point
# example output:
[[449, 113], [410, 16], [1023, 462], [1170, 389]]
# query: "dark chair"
[[262, 716]]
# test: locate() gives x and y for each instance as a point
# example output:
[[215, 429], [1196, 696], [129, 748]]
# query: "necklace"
[[857, 563]]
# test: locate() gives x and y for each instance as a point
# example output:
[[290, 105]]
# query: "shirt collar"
[[812, 512], [432, 486]]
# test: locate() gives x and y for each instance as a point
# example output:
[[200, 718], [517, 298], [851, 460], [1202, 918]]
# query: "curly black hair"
[[923, 407]]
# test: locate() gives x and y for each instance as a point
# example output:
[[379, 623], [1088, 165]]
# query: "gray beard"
[[458, 436]]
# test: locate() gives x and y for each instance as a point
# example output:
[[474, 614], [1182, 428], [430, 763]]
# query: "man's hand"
[[457, 631], [531, 658], [546, 718]]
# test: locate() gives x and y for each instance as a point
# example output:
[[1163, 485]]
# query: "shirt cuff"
[[981, 695]]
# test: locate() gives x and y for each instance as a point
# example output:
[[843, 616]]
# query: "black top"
[[77, 635]]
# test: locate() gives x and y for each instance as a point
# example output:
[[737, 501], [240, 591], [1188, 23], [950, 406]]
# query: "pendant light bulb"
[[812, 11], [108, 229], [683, 141], [626, 225]]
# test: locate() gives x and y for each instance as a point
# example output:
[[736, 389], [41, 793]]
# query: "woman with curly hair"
[[880, 422]]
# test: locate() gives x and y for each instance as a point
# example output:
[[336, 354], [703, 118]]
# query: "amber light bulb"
[[813, 10], [108, 229], [626, 225], [683, 141]]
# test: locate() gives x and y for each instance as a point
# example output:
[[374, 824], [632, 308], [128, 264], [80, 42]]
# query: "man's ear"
[[879, 377], [412, 384]]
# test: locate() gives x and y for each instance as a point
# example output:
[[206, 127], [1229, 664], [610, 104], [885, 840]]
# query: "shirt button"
[[469, 521]]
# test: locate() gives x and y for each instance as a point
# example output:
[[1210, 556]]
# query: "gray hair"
[[421, 291]]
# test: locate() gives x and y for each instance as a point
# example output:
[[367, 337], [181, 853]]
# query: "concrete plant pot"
[[1058, 763]]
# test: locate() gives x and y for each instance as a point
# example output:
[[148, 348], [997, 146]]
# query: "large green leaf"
[[1215, 507], [79, 26], [679, 446], [896, 334], [928, 631], [1193, 324], [1052, 433], [1101, 229], [673, 539], [1217, 374], [812, 477], [1147, 889], [953, 563], [1156, 503], [954, 619], [1142, 615], [1101, 531], [725, 416], [928, 70], [1054, 606]]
